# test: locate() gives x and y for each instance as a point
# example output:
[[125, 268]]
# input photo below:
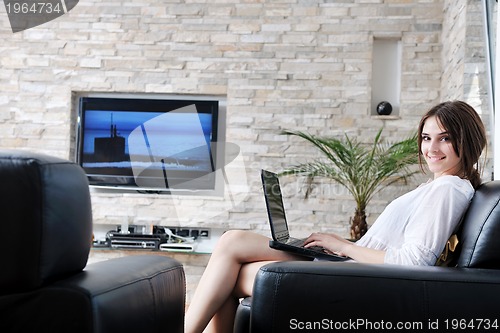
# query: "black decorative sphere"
[[384, 108]]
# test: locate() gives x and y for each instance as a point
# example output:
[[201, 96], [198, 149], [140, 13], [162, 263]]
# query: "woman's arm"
[[338, 245]]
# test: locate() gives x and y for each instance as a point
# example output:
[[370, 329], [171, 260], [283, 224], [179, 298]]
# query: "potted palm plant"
[[362, 169]]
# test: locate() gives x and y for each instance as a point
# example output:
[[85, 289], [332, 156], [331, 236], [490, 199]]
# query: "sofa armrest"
[[291, 295], [133, 294], [143, 293]]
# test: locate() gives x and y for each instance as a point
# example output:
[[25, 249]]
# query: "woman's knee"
[[228, 240], [236, 243], [229, 237], [232, 235]]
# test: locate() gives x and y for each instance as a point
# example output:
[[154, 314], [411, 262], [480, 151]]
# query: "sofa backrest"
[[46, 220], [480, 232]]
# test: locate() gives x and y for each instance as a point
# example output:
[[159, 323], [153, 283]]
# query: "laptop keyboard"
[[300, 243]]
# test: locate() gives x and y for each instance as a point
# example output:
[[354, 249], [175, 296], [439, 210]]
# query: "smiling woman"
[[412, 230], [452, 138], [438, 150]]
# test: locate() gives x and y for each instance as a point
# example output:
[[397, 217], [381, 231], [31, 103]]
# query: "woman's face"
[[437, 149]]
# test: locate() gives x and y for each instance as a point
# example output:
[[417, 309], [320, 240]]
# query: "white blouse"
[[414, 228]]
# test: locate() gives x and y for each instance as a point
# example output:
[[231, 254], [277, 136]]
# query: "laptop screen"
[[275, 208]]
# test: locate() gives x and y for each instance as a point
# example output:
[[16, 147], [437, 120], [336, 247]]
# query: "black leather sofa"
[[46, 229], [326, 296]]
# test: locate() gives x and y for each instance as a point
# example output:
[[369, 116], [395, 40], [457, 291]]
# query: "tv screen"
[[148, 144]]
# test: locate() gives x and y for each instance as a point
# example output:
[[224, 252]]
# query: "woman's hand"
[[337, 245], [330, 242]]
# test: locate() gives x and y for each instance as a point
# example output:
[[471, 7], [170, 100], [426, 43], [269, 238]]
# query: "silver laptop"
[[281, 239]]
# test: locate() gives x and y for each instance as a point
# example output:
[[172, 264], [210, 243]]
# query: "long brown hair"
[[466, 132]]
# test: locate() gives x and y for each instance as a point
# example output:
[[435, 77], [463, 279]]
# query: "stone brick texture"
[[278, 64]]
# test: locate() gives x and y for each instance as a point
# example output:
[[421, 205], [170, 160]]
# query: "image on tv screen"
[[147, 148]]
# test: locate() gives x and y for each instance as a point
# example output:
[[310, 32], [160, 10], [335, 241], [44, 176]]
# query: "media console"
[[161, 238]]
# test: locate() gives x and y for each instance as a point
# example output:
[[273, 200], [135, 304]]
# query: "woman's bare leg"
[[217, 287], [223, 320]]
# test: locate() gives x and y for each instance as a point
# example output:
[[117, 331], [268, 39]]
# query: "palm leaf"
[[363, 170]]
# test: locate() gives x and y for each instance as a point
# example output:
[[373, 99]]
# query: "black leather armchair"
[[316, 296], [46, 229]]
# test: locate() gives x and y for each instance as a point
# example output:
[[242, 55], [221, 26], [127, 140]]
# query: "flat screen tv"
[[148, 144]]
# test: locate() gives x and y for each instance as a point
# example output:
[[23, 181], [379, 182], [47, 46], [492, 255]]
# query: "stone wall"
[[464, 62], [454, 33], [291, 64]]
